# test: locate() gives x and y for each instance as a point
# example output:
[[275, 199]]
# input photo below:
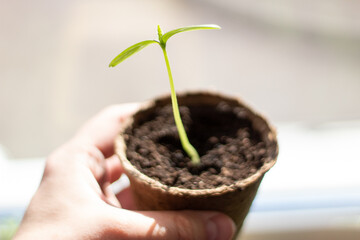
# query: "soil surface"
[[229, 148]]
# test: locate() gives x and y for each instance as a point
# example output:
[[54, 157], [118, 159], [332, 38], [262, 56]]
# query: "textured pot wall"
[[235, 204]]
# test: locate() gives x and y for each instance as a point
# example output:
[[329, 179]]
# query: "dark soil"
[[230, 149]]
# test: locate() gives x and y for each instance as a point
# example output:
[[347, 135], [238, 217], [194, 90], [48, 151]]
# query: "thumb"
[[171, 225]]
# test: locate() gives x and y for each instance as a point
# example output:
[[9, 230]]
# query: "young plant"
[[163, 38]]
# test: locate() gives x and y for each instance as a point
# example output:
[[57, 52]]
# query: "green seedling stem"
[[188, 148]]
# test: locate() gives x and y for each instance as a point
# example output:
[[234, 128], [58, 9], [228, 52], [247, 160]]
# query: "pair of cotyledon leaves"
[[162, 41]]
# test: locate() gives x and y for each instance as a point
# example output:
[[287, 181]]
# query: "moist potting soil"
[[229, 147]]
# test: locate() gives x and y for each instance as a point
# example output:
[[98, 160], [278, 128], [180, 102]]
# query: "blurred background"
[[298, 62]]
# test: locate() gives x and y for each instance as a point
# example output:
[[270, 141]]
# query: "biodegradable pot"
[[234, 200]]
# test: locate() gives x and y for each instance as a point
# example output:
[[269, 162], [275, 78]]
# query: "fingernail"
[[220, 227]]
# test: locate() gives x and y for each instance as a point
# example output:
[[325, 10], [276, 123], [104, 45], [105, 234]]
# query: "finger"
[[126, 199], [109, 196], [113, 168], [75, 165], [101, 130], [123, 193], [71, 158], [170, 225]]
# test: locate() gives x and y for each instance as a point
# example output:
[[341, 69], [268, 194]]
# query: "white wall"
[[292, 60]]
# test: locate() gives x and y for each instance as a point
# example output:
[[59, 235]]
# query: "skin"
[[74, 199]]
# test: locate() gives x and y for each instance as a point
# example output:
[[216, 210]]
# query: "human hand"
[[75, 201]]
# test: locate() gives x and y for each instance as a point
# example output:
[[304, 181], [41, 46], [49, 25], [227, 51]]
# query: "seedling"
[[163, 38]]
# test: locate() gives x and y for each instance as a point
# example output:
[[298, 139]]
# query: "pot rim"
[[120, 148]]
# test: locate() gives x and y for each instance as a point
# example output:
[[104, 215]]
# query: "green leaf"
[[130, 51], [167, 35]]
